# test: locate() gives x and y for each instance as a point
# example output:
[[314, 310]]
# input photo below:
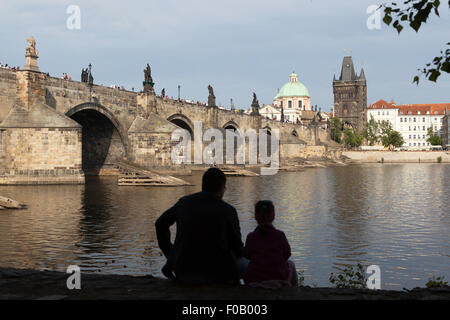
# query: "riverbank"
[[397, 156], [25, 284]]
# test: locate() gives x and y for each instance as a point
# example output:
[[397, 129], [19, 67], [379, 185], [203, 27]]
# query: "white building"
[[270, 112], [411, 120], [293, 97]]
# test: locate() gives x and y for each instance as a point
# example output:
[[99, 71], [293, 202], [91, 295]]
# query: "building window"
[[414, 136], [281, 104], [299, 104], [410, 136], [423, 128], [289, 104], [423, 119], [401, 119], [414, 119]]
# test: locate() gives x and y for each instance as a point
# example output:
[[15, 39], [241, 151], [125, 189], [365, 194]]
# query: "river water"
[[396, 216]]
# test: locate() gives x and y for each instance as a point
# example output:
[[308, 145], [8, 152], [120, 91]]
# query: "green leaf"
[[387, 19]]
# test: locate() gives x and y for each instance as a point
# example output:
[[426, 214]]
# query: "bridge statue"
[[211, 97], [31, 55], [31, 49], [148, 81], [255, 106], [163, 92]]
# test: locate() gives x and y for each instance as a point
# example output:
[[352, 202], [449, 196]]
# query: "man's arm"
[[235, 235], [162, 226]]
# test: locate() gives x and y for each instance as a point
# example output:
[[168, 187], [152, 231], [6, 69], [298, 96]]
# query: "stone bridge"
[[54, 130]]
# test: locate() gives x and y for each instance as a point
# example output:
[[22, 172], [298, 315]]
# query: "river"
[[395, 216]]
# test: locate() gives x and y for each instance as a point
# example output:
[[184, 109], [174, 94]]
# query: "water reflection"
[[395, 216]]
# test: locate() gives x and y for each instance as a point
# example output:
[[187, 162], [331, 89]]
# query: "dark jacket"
[[208, 239], [268, 251]]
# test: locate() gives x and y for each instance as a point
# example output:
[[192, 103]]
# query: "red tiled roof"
[[404, 109], [423, 108], [381, 104]]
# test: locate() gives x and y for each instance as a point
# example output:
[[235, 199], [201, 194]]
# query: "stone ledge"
[[33, 284]]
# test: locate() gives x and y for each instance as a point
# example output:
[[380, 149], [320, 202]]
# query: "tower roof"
[[348, 70]]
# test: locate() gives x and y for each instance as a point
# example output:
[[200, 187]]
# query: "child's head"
[[264, 212]]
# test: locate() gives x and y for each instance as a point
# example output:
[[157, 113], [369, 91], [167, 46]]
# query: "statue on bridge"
[[163, 93], [148, 81], [84, 75], [255, 106], [211, 97], [31, 49], [31, 55]]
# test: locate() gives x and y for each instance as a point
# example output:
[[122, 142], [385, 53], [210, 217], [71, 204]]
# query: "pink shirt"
[[268, 254]]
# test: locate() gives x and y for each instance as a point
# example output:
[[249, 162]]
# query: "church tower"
[[350, 96]]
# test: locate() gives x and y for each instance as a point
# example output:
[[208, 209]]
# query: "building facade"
[[350, 96], [293, 98], [411, 120]]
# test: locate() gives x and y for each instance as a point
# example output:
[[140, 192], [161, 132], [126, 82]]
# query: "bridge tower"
[[350, 96]]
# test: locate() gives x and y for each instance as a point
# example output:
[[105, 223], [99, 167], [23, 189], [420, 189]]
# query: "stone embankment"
[[7, 203], [398, 156], [51, 285]]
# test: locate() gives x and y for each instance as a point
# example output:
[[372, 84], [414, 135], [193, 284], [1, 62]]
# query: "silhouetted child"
[[268, 251]]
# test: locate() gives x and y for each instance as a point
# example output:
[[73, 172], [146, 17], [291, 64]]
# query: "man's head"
[[214, 181]]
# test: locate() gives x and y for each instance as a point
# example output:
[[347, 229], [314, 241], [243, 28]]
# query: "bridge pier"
[[38, 144]]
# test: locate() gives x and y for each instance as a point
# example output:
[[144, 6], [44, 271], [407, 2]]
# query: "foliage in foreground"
[[351, 277], [417, 12], [435, 282]]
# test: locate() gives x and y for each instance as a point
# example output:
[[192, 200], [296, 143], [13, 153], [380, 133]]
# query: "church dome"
[[293, 88]]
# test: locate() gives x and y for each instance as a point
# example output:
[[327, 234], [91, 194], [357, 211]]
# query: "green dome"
[[293, 88]]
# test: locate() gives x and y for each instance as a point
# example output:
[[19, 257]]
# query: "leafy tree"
[[390, 137], [335, 129], [433, 138], [394, 139], [371, 131], [352, 139], [417, 12]]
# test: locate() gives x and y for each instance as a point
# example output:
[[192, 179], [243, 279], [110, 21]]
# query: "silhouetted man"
[[208, 240]]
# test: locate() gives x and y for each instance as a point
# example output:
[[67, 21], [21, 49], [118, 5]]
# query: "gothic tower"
[[350, 96]]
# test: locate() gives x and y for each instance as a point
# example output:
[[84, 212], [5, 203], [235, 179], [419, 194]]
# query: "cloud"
[[237, 46]]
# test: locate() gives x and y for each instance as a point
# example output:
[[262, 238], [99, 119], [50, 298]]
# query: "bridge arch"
[[231, 125], [104, 139], [183, 122]]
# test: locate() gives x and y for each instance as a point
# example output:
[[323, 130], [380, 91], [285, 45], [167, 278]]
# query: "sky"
[[238, 47]]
